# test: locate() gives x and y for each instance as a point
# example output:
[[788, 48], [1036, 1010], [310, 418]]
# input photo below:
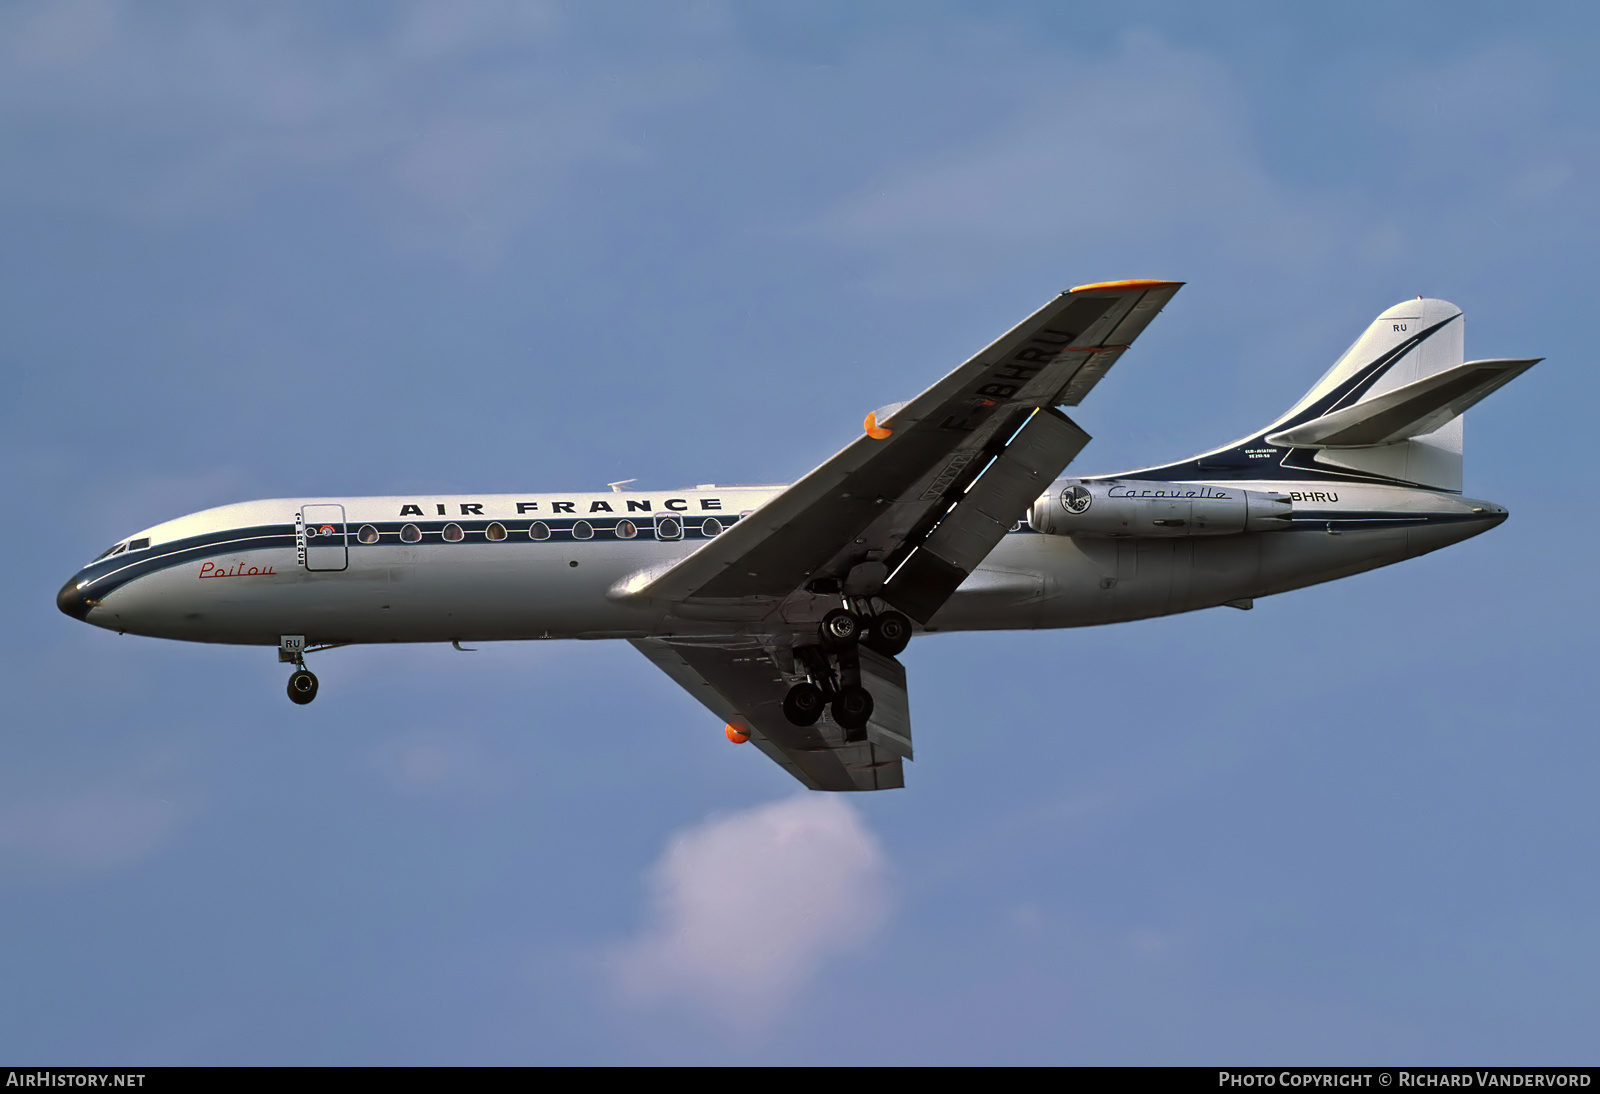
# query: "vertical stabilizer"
[[1365, 418], [1408, 342]]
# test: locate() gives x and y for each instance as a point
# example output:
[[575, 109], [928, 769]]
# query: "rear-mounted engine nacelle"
[[1133, 507]]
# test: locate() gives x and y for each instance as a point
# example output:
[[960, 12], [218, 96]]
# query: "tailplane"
[[1389, 410]]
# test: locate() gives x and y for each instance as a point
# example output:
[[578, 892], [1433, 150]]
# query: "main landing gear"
[[833, 669], [302, 681]]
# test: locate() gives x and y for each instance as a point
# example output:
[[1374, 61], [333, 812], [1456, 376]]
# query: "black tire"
[[804, 704], [853, 708], [302, 687], [839, 629], [891, 634]]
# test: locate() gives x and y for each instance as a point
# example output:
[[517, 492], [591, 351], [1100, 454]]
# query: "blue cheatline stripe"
[[101, 577]]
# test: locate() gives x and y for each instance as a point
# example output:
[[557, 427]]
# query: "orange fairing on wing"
[[1126, 285], [735, 734], [874, 430]]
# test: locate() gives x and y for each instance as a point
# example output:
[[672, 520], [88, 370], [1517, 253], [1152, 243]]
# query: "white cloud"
[[747, 907]]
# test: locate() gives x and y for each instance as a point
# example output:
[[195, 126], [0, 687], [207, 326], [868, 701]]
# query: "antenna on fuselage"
[[616, 487]]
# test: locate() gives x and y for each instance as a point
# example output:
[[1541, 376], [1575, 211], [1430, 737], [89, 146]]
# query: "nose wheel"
[[302, 686]]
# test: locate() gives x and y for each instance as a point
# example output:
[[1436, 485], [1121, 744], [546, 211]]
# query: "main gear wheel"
[[804, 704]]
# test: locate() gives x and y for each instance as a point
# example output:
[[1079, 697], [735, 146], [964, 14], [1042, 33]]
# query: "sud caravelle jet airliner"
[[783, 608]]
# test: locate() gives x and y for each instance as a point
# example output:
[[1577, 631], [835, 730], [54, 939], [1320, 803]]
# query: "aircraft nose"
[[72, 601], [1494, 514]]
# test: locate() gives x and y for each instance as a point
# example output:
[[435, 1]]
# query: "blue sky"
[[293, 250]]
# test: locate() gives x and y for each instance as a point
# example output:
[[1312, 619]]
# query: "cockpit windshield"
[[108, 552]]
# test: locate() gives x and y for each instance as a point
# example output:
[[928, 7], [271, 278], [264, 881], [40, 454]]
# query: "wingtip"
[[1125, 285]]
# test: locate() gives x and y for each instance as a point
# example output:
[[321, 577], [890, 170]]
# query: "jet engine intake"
[[1134, 507]]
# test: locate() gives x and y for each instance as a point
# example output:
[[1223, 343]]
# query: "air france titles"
[[573, 508]]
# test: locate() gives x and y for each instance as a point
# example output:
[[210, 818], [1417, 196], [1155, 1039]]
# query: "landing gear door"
[[885, 678], [320, 536]]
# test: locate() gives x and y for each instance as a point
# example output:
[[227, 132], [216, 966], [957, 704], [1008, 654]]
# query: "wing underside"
[[740, 683]]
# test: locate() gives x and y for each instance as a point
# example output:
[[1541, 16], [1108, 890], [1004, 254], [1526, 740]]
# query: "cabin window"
[[453, 533], [668, 528], [139, 544], [495, 532], [583, 530], [411, 534], [711, 527], [368, 534], [626, 529], [538, 530]]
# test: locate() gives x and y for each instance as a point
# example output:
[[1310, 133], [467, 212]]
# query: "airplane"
[[784, 608]]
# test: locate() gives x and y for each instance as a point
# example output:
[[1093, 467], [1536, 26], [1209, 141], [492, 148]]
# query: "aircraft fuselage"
[[459, 568]]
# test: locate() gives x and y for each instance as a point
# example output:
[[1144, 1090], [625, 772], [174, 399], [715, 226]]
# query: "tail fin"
[[1389, 410], [1409, 342]]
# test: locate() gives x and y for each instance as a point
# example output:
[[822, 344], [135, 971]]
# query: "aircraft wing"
[[908, 510], [739, 682]]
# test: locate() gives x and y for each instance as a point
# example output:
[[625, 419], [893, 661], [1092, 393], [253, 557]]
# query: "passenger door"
[[321, 533]]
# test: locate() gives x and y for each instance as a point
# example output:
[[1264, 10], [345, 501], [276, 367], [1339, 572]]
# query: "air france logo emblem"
[[1076, 499]]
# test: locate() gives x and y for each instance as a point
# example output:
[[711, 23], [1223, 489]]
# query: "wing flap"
[[932, 570], [1409, 411]]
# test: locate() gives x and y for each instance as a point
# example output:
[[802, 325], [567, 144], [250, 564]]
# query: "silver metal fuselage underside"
[[237, 574]]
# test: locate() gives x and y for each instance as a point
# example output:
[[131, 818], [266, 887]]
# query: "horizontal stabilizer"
[[1409, 411]]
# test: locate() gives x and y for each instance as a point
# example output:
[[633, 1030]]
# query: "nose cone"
[[1489, 515], [71, 601]]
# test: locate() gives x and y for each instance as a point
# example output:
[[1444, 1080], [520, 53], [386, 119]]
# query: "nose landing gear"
[[302, 682]]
